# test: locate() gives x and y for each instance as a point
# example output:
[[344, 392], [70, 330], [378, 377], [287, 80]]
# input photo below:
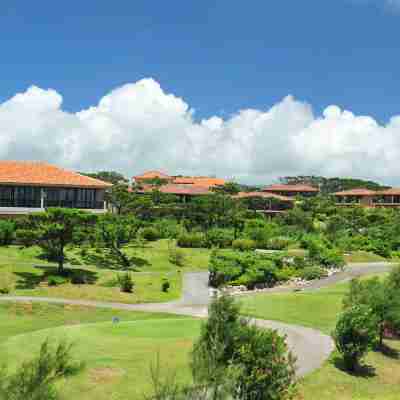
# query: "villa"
[[27, 187], [291, 190], [369, 198]]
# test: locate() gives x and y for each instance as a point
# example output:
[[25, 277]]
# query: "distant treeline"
[[331, 185]]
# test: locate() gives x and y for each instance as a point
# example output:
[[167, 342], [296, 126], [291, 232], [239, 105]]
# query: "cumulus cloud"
[[138, 126]]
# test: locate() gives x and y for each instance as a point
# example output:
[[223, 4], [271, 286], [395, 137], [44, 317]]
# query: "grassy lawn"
[[319, 309], [23, 269], [363, 256], [117, 356]]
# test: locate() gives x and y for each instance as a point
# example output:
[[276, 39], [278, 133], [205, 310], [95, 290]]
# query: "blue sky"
[[219, 55], [250, 90]]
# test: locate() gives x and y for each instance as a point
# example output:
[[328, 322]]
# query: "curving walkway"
[[310, 346]]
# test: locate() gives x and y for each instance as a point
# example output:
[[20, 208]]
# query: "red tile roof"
[[152, 175], [356, 192], [290, 188], [35, 173], [265, 195], [188, 190]]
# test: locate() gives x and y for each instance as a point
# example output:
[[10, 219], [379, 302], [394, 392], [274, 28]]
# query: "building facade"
[[27, 187]]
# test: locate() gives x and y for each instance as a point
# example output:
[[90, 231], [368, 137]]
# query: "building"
[[291, 190], [199, 181], [27, 187], [149, 176], [267, 203], [369, 198]]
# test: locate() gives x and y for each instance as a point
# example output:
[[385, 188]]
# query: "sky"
[[248, 90]]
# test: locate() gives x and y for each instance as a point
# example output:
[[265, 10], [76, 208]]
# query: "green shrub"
[[355, 334], [6, 285], [168, 228], [7, 232], [125, 282], [278, 243], [78, 279], [191, 240], [165, 285], [217, 237], [286, 273], [176, 256], [244, 244], [300, 262], [315, 272], [55, 280], [150, 233]]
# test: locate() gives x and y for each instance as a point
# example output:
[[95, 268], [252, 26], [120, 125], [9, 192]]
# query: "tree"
[[113, 232], [228, 188], [55, 229], [107, 176], [35, 379], [236, 360], [119, 197], [355, 334]]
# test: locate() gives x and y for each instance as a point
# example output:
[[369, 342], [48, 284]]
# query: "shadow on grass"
[[30, 280], [104, 260], [388, 351], [362, 371]]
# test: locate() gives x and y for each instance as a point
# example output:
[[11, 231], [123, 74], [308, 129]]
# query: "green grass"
[[363, 256], [117, 356], [319, 309], [25, 271]]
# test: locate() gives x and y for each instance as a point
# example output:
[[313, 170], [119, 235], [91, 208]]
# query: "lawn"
[[319, 309], [117, 356], [26, 272]]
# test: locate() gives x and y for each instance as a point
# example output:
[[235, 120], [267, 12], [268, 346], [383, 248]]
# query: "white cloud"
[[139, 126]]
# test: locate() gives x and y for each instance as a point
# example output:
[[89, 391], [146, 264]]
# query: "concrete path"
[[310, 346]]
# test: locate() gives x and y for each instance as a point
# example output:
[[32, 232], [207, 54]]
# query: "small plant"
[[125, 282], [176, 256], [56, 280], [5, 285], [78, 279], [150, 233], [355, 334], [191, 240], [165, 285], [315, 272], [244, 244]]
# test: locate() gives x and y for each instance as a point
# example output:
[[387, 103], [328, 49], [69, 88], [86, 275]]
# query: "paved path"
[[310, 346]]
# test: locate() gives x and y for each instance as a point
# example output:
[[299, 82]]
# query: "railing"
[[25, 203], [93, 205]]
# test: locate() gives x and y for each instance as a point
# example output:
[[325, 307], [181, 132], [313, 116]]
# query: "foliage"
[[244, 268], [228, 188], [218, 237], [55, 229], [244, 244], [278, 243], [107, 176], [313, 272], [191, 240], [320, 252], [165, 285], [355, 334], [125, 282], [176, 256], [35, 379], [237, 360], [55, 280], [150, 233], [168, 228], [7, 232]]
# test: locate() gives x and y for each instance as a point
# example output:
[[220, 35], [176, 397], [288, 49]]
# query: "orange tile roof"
[[152, 175], [265, 195], [35, 173], [290, 188], [356, 192], [389, 192], [199, 181], [189, 190]]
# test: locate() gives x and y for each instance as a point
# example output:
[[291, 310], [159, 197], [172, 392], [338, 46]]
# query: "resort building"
[[149, 176], [266, 203], [27, 187], [291, 190], [369, 198]]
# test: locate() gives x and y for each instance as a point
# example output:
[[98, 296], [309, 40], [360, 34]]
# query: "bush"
[[176, 256], [278, 243], [125, 282], [55, 280], [217, 237], [5, 285], [78, 279], [7, 232], [311, 273], [168, 228], [355, 334], [244, 244], [150, 233], [165, 285], [286, 273], [191, 240], [300, 262]]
